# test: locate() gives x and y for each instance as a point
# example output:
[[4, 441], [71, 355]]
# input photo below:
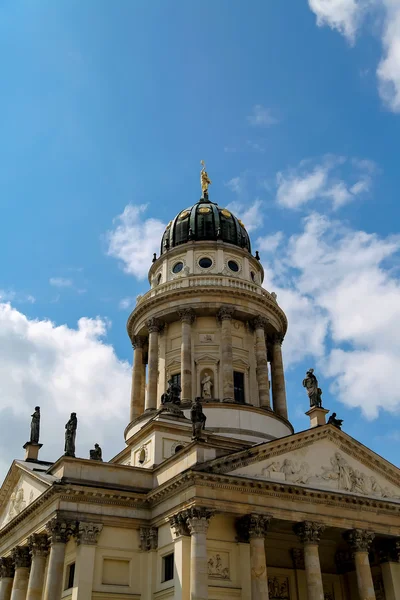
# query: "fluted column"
[[225, 316], [154, 328], [59, 532], [390, 567], [136, 394], [6, 577], [143, 384], [360, 541], [310, 534], [259, 324], [278, 377], [22, 562], [39, 548], [187, 317], [198, 519], [86, 535], [253, 528]]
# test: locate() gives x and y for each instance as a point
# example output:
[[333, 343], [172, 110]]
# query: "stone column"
[[225, 314], [39, 548], [182, 558], [360, 541], [59, 532], [86, 536], [143, 385], [22, 562], [154, 328], [187, 316], [278, 377], [310, 534], [6, 577], [259, 324], [253, 528], [136, 394], [197, 519], [390, 567]]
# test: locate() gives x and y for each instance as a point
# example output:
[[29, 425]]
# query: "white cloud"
[[328, 180], [62, 370], [270, 243], [388, 71], [261, 117], [236, 185], [336, 283], [251, 215], [127, 303], [61, 282], [134, 240], [343, 15]]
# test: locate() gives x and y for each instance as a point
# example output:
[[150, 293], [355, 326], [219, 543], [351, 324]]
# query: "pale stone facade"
[[251, 510]]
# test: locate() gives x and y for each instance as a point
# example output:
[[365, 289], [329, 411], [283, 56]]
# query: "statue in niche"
[[173, 393], [335, 422], [35, 426], [198, 419], [206, 386], [96, 454], [70, 436], [313, 391]]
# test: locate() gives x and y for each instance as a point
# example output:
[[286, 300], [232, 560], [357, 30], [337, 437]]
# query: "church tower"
[[208, 329]]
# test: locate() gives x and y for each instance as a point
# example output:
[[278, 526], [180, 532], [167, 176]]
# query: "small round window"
[[205, 263], [232, 264], [177, 268]]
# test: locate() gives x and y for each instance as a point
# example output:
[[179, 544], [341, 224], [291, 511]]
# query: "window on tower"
[[238, 385]]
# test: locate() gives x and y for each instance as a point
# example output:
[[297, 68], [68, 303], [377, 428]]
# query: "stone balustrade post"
[[86, 535], [187, 317], [39, 549], [259, 325], [225, 315], [136, 394], [360, 541], [154, 327], [59, 532], [278, 377], [22, 562], [253, 528], [310, 534], [6, 577]]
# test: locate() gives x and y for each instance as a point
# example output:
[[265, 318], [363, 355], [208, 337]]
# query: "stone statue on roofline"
[[96, 454], [334, 421], [35, 426], [70, 436], [198, 419], [313, 391]]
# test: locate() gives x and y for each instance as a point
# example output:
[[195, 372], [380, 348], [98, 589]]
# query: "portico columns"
[[136, 395], [197, 519], [154, 327], [310, 534], [39, 547], [254, 529], [278, 377], [59, 532], [225, 314], [259, 324], [22, 561], [360, 541], [390, 567], [86, 536], [6, 577], [187, 317]]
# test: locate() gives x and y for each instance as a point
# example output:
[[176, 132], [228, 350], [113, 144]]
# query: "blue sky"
[[107, 108]]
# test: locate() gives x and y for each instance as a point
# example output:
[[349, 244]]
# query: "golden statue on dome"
[[205, 181]]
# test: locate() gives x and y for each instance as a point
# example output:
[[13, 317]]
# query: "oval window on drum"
[[205, 263], [177, 268], [232, 264]]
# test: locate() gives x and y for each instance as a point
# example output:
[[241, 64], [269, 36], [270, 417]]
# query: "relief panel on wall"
[[278, 588], [218, 565]]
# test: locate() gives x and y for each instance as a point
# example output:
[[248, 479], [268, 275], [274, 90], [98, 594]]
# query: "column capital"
[[277, 338], [138, 341], [60, 530], [38, 544], [259, 322], [148, 538], [360, 540], [187, 315], [21, 557], [309, 532], [7, 567], [198, 519], [88, 533], [225, 313], [252, 526], [178, 523], [154, 325]]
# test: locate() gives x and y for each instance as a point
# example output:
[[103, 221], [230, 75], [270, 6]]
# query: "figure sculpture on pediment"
[[35, 426], [70, 436], [96, 454], [334, 421], [206, 387], [313, 391]]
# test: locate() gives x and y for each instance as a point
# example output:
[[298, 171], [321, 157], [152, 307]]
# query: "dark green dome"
[[205, 221]]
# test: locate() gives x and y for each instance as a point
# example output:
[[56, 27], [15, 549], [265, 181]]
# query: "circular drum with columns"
[[209, 325]]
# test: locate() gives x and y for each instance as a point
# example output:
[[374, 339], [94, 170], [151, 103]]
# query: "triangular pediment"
[[324, 460], [20, 488]]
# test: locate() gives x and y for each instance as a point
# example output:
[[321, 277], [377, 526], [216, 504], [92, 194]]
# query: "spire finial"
[[205, 181]]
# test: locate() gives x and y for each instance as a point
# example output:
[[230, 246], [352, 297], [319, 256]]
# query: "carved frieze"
[[278, 588], [218, 565], [17, 503]]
